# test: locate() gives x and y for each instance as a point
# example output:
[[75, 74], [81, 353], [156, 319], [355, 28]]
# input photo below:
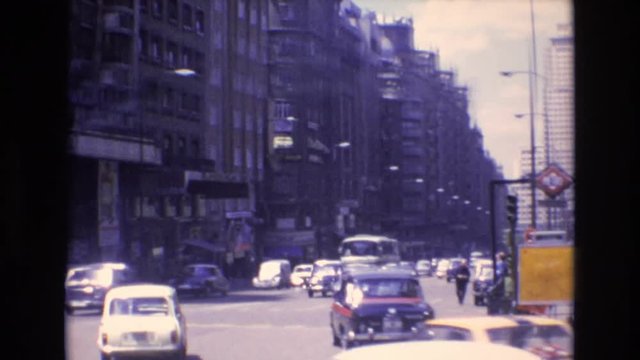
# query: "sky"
[[477, 39]]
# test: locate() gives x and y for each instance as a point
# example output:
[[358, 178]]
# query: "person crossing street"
[[462, 279]]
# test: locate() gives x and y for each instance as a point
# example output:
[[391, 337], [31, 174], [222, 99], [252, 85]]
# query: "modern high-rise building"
[[559, 129]]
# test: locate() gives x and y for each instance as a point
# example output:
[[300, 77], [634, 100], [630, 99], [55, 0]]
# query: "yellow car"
[[544, 336]]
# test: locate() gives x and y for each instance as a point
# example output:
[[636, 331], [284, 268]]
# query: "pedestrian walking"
[[462, 279]]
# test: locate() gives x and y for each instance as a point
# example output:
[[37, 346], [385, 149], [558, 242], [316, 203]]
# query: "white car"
[[300, 274], [436, 350], [142, 320], [441, 269]]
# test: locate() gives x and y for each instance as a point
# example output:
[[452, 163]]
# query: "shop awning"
[[212, 189]]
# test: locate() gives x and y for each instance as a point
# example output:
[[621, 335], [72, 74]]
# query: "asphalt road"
[[260, 324]]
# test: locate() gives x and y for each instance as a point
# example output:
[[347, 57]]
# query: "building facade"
[[155, 126]]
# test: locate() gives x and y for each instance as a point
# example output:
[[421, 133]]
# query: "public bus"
[[369, 249]]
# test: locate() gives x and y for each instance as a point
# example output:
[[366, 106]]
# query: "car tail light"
[[105, 339], [174, 337]]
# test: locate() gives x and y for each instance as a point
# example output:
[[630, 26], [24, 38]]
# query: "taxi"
[[142, 320], [376, 305], [544, 336]]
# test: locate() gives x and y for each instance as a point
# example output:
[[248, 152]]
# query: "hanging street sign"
[[553, 180]]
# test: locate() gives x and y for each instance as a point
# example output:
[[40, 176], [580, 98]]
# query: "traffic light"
[[512, 208]]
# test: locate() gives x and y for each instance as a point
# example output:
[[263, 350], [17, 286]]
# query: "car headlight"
[[88, 290], [276, 278]]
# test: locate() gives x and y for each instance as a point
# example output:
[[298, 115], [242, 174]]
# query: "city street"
[[260, 324]]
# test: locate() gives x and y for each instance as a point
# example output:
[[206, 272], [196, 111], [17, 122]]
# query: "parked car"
[[142, 320], [300, 274], [325, 274], [378, 305], [441, 269], [436, 350], [546, 337], [423, 267], [87, 285], [482, 282], [273, 274], [202, 280], [454, 263]]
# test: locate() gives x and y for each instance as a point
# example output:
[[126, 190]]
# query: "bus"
[[369, 249]]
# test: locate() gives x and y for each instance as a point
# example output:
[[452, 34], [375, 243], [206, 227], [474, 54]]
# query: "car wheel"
[[324, 293], [310, 292], [181, 354], [336, 339], [476, 300], [345, 344], [206, 292], [68, 310], [104, 356]]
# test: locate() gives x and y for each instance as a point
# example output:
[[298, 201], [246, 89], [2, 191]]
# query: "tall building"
[[559, 127], [165, 164]]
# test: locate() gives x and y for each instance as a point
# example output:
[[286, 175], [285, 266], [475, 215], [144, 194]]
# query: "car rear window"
[[376, 288], [139, 306]]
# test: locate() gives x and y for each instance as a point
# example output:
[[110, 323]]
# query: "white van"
[[273, 274]]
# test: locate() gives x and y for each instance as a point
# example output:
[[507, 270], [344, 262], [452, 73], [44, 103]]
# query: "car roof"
[[484, 322], [113, 265], [367, 237], [303, 265], [437, 350], [201, 264], [141, 290], [323, 262]]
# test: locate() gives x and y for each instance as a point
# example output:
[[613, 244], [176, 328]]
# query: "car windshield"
[[533, 337], [197, 271], [359, 248], [327, 270], [302, 269], [139, 306], [378, 288], [486, 272], [101, 277]]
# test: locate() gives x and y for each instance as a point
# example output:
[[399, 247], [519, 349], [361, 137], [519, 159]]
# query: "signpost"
[[553, 181]]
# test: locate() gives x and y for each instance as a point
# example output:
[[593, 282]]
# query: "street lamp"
[[532, 74]]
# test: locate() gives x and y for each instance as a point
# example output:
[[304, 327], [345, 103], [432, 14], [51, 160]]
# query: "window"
[[172, 49], [168, 99], [182, 146], [200, 22], [144, 44], [172, 11], [241, 7], [167, 146], [186, 58], [199, 63], [187, 17], [156, 49], [157, 9], [195, 148], [143, 6]]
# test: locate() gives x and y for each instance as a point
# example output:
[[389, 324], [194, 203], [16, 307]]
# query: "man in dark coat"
[[462, 279]]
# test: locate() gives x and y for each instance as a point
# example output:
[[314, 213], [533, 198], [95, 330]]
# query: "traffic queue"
[[376, 298]]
